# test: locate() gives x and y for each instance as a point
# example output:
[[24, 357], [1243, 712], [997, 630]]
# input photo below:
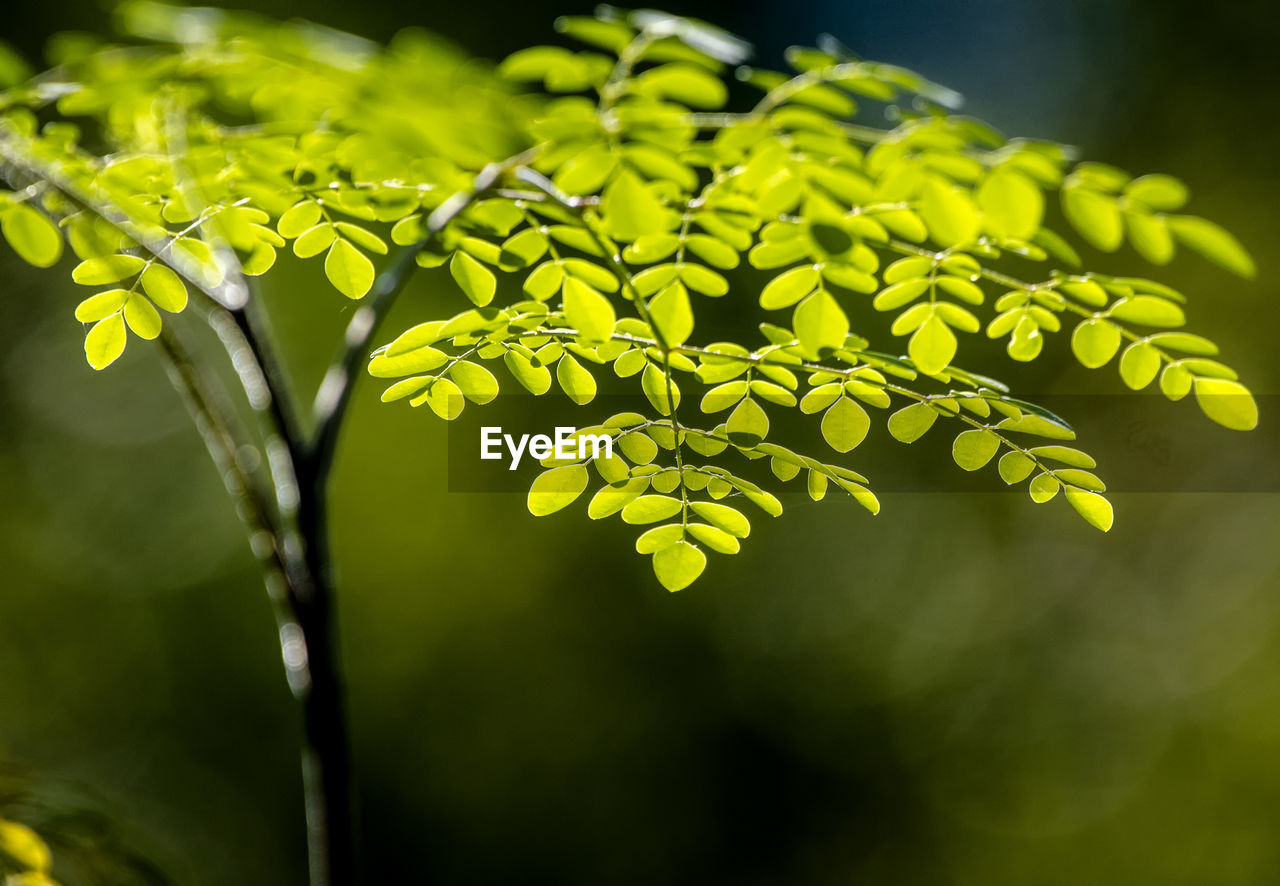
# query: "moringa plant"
[[586, 209]]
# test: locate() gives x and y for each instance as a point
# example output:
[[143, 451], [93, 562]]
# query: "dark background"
[[966, 689]]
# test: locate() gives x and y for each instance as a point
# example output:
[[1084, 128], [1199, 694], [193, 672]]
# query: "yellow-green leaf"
[[587, 311], [104, 304], [23, 845], [973, 449], [1227, 402], [679, 565], [949, 212], [1095, 342], [142, 317], [32, 235], [820, 322], [348, 269], [1095, 215], [1095, 509], [671, 314], [109, 269], [557, 488], [845, 425], [578, 384], [477, 281], [165, 288], [1011, 204], [1213, 242], [476, 383], [932, 346], [105, 341], [632, 209]]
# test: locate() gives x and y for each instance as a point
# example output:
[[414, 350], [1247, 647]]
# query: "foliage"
[[24, 857], [627, 196]]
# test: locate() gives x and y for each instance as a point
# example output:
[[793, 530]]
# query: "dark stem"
[[287, 524]]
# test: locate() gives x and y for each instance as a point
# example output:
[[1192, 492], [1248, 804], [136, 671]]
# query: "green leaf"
[[1148, 310], [973, 449], [638, 447], [406, 362], [1175, 382], [348, 269], [536, 378], [544, 281], [21, 844], [1213, 242], [142, 317], [820, 398], [443, 398], [650, 509], [724, 517], [97, 271], [299, 218], [587, 311], [474, 279], [748, 424], [659, 537], [610, 499], [1184, 342], [672, 315], [314, 241], [577, 383], [1139, 365], [717, 539], [105, 341], [1162, 192], [1095, 342], [32, 235], [900, 293], [703, 280], [911, 422], [761, 499], [767, 390], [476, 383], [632, 209], [789, 287], [1150, 236], [1015, 467], [408, 387], [165, 288], [690, 85], [102, 305], [1066, 455], [1081, 479], [949, 212], [845, 425], [362, 236], [661, 391], [679, 565], [1227, 402], [820, 322], [1095, 509], [932, 346], [1095, 215], [556, 489], [586, 171], [1043, 488], [1011, 203]]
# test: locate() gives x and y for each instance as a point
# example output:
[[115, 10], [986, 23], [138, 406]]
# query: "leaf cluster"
[[629, 195]]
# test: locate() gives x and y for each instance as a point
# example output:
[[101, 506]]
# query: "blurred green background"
[[964, 690]]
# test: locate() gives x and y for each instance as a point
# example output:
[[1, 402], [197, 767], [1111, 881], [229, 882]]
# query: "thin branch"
[[335, 391]]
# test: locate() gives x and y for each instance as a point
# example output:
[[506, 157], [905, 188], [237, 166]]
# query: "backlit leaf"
[[556, 489]]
